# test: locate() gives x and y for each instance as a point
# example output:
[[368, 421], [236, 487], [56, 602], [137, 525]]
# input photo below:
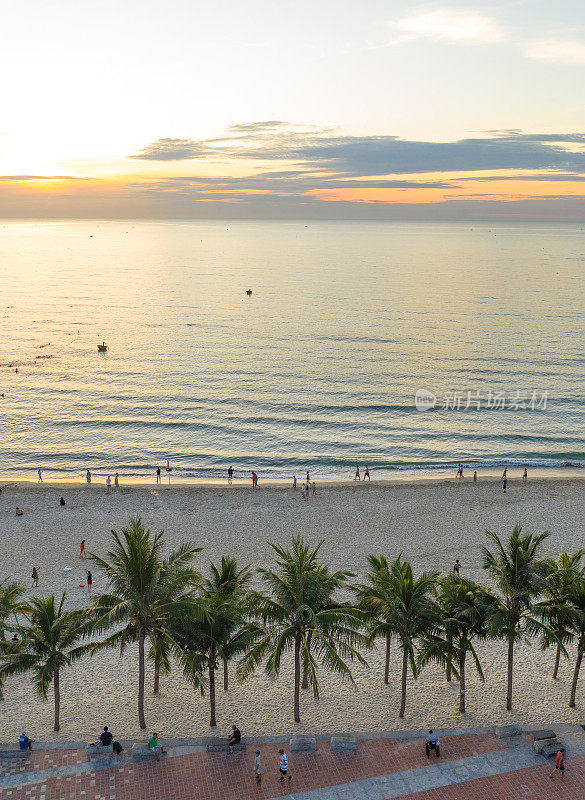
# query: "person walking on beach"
[[230, 474], [314, 488], [108, 484], [257, 767], [88, 476], [35, 577], [89, 580], [295, 482], [475, 478], [559, 766], [356, 477], [158, 474], [525, 475], [82, 549], [254, 481], [40, 474], [283, 766], [116, 481], [367, 473], [456, 567]]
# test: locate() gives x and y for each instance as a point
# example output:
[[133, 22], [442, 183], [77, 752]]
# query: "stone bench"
[[508, 731], [544, 734], [548, 747], [141, 752], [298, 743], [13, 752], [344, 743], [99, 751], [221, 746]]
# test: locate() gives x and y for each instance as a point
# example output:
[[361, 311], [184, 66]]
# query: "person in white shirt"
[[257, 767], [283, 766]]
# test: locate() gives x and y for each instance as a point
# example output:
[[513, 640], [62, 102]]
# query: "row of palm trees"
[[175, 614]]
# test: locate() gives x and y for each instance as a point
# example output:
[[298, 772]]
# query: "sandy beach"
[[432, 522]]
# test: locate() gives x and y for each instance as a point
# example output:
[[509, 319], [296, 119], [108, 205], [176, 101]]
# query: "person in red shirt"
[[559, 766]]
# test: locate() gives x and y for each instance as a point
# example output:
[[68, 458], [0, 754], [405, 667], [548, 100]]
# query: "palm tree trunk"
[[1, 692], [580, 651], [156, 677], [510, 672], [462, 683], [387, 664], [557, 661], [57, 691], [212, 720], [297, 711], [404, 671], [141, 719], [448, 670], [225, 675], [305, 683]]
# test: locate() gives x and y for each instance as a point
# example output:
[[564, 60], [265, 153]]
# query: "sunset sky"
[[281, 109]]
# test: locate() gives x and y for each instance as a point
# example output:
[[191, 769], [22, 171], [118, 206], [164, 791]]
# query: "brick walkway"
[[472, 766]]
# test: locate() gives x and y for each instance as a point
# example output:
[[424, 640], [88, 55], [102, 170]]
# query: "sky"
[[326, 109]]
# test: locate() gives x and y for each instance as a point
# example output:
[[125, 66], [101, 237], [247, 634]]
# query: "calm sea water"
[[317, 369]]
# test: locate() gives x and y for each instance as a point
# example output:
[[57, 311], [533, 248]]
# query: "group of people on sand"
[[307, 488], [504, 479], [357, 477]]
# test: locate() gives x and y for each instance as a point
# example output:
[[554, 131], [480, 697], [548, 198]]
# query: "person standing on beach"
[[40, 474], [367, 473], [89, 580], [456, 567], [525, 475], [356, 477], [35, 577], [308, 478], [314, 488], [82, 549], [88, 476], [294, 482], [254, 481], [108, 483], [158, 474], [475, 478], [116, 481], [230, 474]]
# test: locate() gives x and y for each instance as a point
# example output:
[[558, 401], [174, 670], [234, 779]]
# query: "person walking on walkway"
[[257, 767], [559, 766], [283, 766]]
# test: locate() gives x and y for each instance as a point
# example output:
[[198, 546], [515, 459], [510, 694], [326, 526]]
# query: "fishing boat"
[[102, 348]]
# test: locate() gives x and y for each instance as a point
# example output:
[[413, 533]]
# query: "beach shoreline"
[[431, 522]]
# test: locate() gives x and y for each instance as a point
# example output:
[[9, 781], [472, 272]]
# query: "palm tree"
[[564, 572], [146, 593], [10, 594], [232, 583], [292, 611], [521, 576], [202, 643], [465, 609], [48, 641], [399, 606]]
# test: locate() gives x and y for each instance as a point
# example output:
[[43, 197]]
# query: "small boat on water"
[[102, 348]]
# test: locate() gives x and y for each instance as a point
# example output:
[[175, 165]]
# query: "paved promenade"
[[475, 766]]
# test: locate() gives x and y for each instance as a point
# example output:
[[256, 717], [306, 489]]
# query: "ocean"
[[317, 369]]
